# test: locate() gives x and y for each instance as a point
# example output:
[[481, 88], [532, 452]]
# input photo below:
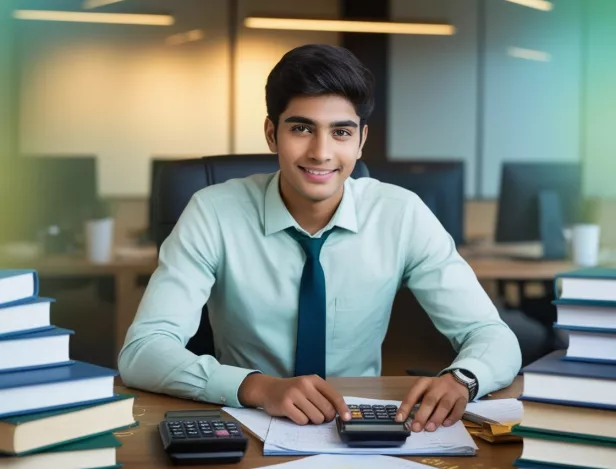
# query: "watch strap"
[[468, 379]]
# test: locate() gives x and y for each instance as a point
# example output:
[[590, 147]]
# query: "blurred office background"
[[89, 103]]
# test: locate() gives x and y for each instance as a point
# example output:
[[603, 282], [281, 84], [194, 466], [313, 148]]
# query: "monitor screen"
[[53, 191], [521, 186]]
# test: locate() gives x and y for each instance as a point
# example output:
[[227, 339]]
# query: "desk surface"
[[142, 448]]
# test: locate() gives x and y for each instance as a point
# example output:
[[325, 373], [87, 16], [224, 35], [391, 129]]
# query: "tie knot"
[[311, 246]]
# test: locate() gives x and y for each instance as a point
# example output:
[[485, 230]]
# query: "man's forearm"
[[160, 364]]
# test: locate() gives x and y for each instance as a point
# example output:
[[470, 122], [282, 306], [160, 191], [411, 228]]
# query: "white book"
[[30, 315], [17, 285], [34, 349], [597, 314]]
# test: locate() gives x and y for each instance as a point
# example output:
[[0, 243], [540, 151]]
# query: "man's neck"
[[310, 215]]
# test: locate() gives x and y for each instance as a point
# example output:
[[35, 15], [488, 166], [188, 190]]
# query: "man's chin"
[[319, 196]]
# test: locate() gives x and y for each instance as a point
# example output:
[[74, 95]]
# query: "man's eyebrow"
[[299, 120], [307, 121], [348, 123]]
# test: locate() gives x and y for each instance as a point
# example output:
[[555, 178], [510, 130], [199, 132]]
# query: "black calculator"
[[202, 437], [373, 426]]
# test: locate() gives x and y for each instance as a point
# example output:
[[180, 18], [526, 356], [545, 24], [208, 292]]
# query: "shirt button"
[[222, 399]]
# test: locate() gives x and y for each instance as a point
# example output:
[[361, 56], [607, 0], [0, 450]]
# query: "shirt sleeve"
[[448, 290], [154, 357]]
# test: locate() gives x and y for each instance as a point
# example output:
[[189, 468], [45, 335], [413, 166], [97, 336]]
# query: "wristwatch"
[[468, 379]]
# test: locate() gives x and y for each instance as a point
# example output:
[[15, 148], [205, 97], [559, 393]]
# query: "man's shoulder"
[[237, 190], [372, 191]]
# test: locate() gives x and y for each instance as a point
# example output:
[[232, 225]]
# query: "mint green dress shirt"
[[229, 249]]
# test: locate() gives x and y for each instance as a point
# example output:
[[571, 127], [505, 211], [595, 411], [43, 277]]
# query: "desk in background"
[[142, 448], [126, 271]]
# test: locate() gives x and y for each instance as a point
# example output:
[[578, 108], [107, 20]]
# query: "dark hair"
[[319, 69]]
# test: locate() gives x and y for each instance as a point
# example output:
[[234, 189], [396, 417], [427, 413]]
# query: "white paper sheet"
[[283, 437], [337, 461], [495, 410]]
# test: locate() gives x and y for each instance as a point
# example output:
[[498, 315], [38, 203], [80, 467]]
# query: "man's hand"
[[443, 401], [303, 399]]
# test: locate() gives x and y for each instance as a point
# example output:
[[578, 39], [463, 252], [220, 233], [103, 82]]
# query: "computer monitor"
[[440, 185], [536, 202], [54, 191]]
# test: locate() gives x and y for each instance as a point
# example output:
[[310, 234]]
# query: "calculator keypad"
[[373, 412], [203, 429]]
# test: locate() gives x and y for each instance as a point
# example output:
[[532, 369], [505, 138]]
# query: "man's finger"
[[322, 404], [456, 413], [444, 407], [334, 398], [295, 414], [309, 409], [428, 405], [411, 399]]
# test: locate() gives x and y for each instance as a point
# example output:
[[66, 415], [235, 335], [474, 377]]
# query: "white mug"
[[585, 245], [99, 240]]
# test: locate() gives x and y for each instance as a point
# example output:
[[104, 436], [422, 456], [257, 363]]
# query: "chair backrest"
[[173, 185], [176, 181]]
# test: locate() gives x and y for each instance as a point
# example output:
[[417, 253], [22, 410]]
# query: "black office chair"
[[175, 183]]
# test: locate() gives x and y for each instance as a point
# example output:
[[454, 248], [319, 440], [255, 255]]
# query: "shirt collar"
[[278, 218]]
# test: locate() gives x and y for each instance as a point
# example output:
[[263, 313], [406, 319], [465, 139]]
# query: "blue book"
[[17, 285], [526, 464], [33, 314], [594, 284], [559, 381], [585, 313], [590, 344], [23, 392], [31, 350]]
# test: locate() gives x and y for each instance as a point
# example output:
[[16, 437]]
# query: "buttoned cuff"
[[479, 369], [223, 386]]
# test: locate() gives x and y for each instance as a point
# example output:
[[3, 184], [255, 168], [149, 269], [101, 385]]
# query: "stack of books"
[[569, 396], [54, 411]]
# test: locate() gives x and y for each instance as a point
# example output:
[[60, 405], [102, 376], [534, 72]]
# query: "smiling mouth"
[[323, 172]]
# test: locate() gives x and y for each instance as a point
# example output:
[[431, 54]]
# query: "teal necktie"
[[312, 314]]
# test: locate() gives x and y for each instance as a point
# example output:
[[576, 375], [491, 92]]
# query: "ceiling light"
[[182, 38], [536, 4], [349, 26], [83, 17], [529, 54], [91, 4]]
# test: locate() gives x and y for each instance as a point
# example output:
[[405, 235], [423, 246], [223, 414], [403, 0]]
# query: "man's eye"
[[342, 133], [300, 128]]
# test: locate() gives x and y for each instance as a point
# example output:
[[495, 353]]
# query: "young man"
[[299, 270]]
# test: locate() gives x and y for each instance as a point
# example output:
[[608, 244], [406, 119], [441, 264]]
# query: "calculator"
[[373, 426], [202, 437]]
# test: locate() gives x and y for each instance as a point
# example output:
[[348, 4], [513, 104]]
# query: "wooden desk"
[[142, 448]]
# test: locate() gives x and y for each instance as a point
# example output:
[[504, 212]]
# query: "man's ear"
[[364, 136], [270, 135]]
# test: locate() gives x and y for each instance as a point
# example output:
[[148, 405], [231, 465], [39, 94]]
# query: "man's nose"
[[321, 149]]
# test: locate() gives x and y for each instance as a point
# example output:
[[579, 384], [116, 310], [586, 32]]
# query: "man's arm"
[[154, 356], [448, 290]]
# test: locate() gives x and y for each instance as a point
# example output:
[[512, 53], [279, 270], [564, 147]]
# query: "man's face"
[[318, 142]]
